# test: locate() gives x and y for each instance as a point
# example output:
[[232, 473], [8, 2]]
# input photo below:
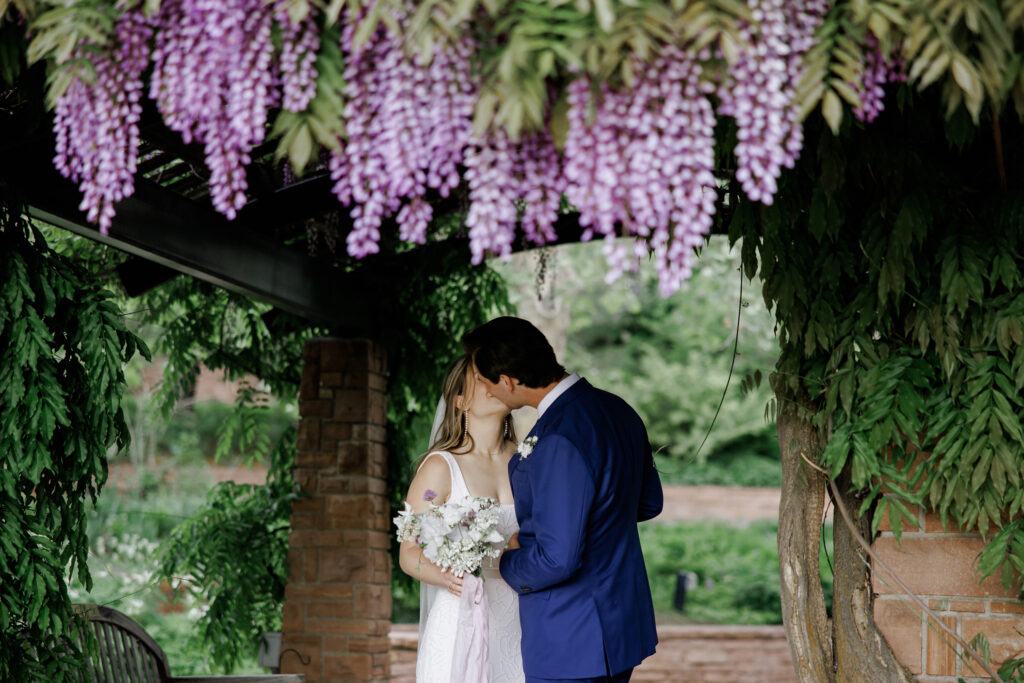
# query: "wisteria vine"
[[646, 162], [213, 83], [408, 127], [96, 121], [878, 70], [300, 42], [636, 162], [759, 89]]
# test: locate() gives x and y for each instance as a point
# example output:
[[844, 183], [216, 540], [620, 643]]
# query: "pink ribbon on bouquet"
[[471, 661]]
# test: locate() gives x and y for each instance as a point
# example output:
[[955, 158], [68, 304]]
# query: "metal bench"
[[127, 654]]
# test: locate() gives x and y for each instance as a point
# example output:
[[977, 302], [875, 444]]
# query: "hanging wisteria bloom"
[[758, 91], [97, 121], [503, 176], [644, 160], [213, 83], [878, 70], [297, 64], [408, 126], [493, 190]]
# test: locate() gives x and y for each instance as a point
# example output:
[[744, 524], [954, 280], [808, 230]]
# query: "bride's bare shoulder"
[[433, 481]]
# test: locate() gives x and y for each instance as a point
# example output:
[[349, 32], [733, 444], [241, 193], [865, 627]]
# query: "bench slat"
[[103, 636]]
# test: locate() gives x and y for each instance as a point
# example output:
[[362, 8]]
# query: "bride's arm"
[[431, 484]]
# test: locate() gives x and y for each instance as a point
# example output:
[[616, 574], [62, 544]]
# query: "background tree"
[[672, 358]]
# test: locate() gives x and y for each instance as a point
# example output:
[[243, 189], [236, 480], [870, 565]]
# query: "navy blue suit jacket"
[[584, 600]]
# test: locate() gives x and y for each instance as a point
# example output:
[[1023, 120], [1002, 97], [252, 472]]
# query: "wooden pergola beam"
[[168, 229]]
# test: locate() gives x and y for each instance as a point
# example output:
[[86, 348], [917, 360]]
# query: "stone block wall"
[[337, 608], [939, 566]]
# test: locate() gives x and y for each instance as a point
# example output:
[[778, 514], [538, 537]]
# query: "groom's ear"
[[509, 384]]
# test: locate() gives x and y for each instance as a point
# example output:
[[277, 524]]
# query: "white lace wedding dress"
[[439, 613]]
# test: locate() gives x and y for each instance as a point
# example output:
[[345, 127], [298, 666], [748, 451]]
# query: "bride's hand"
[[453, 584], [513, 542]]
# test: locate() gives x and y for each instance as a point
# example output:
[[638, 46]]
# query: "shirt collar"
[[559, 389]]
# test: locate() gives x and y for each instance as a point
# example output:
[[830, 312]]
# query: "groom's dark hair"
[[514, 347]]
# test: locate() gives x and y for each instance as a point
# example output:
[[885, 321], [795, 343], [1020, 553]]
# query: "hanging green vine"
[[893, 263], [233, 554], [62, 349]]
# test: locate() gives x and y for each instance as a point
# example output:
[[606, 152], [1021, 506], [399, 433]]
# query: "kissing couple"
[[569, 598]]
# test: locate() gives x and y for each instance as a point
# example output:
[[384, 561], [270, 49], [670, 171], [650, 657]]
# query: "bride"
[[471, 445]]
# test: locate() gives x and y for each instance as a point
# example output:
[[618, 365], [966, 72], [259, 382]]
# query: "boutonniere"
[[526, 447]]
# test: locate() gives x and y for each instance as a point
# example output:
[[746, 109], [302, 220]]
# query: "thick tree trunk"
[[861, 651], [800, 509], [851, 649]]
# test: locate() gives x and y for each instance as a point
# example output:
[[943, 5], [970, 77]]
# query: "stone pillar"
[[939, 566], [337, 609]]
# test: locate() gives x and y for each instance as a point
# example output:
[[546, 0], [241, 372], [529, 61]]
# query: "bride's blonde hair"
[[452, 435]]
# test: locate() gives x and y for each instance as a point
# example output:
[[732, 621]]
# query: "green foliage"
[[737, 570], [196, 431], [898, 294], [244, 429], [233, 555], [745, 464], [203, 324], [62, 348], [1011, 671]]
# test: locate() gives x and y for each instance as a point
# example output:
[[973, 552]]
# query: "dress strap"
[[459, 488]]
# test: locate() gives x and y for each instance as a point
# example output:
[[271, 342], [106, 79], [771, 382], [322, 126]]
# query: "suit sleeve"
[[652, 498], [563, 492]]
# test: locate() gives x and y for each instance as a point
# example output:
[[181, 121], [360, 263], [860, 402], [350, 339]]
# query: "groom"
[[582, 480]]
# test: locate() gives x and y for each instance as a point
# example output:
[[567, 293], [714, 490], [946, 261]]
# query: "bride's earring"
[[465, 428], [508, 426]]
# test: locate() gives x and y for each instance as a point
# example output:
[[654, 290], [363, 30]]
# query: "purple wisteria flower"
[[97, 120], [408, 127], [759, 90], [878, 70], [213, 82], [644, 161], [429, 495], [299, 45]]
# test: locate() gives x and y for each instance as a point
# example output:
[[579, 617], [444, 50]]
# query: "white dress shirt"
[[559, 389]]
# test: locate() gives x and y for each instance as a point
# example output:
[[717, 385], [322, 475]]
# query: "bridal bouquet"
[[457, 535]]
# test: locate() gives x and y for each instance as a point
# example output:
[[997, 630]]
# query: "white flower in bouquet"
[[456, 536]]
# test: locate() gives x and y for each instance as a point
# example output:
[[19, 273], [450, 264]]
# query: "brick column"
[[337, 609], [939, 566]]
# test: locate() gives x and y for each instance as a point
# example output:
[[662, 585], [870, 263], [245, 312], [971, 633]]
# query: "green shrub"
[[737, 568], [193, 432]]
